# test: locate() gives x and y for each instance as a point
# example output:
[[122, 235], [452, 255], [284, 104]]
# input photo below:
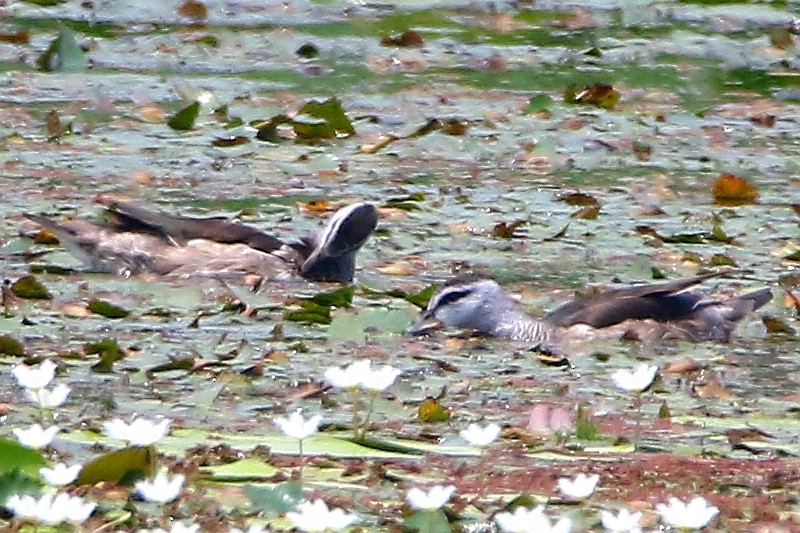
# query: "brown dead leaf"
[[589, 212], [776, 325], [579, 199], [730, 189], [407, 39], [398, 269], [503, 230], [45, 236], [152, 114], [20, 37], [455, 127], [599, 95], [315, 206], [711, 388], [683, 366], [193, 9]]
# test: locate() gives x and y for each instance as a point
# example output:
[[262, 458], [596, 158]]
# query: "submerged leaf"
[[184, 119]]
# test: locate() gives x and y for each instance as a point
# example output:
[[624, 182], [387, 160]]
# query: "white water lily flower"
[[350, 376], [579, 488], [60, 474], [48, 398], [434, 499], [35, 377], [161, 489], [694, 515], [36, 436], [177, 527], [315, 516], [478, 436], [623, 522], [140, 432], [635, 381], [380, 378], [51, 508], [524, 520], [298, 427]]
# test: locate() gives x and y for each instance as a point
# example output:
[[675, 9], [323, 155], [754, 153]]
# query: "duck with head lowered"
[[138, 240], [671, 310]]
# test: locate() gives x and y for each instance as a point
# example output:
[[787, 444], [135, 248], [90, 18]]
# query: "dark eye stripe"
[[448, 297]]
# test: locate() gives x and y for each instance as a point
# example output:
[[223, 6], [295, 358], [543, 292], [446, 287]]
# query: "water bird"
[[136, 240], [648, 312]]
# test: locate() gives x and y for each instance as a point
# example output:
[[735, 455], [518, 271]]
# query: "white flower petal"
[[161, 489], [524, 520], [623, 522], [636, 381], [579, 488], [315, 516], [35, 436], [140, 432], [60, 474], [297, 427], [434, 499], [694, 515], [381, 378], [478, 436], [35, 377]]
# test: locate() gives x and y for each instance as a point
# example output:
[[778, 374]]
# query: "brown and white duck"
[[137, 240], [672, 310]]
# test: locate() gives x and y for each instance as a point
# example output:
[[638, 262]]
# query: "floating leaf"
[[227, 142], [11, 346], [103, 308], [590, 212], [15, 457], [64, 54], [598, 95], [20, 37], [184, 119], [541, 103], [503, 230], [309, 313], [579, 199], [277, 500], [585, 428], [722, 260], [431, 410], [122, 466], [29, 287], [307, 51], [193, 10], [342, 297], [407, 39], [267, 130], [406, 203], [18, 482], [45, 236], [421, 298], [331, 113], [428, 522], [729, 189], [109, 352], [455, 127], [777, 326]]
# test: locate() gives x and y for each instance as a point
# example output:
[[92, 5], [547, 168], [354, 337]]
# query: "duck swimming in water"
[[672, 310], [138, 240]]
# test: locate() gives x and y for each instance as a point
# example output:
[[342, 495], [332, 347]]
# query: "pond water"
[[705, 89]]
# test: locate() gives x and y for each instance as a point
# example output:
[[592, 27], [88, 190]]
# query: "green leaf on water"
[[428, 522], [109, 352], [15, 457], [421, 298], [11, 346], [31, 288], [585, 428], [267, 130], [249, 469], [184, 119], [122, 466], [64, 54], [342, 297], [538, 103], [18, 482], [100, 307], [331, 112], [312, 129], [277, 500]]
